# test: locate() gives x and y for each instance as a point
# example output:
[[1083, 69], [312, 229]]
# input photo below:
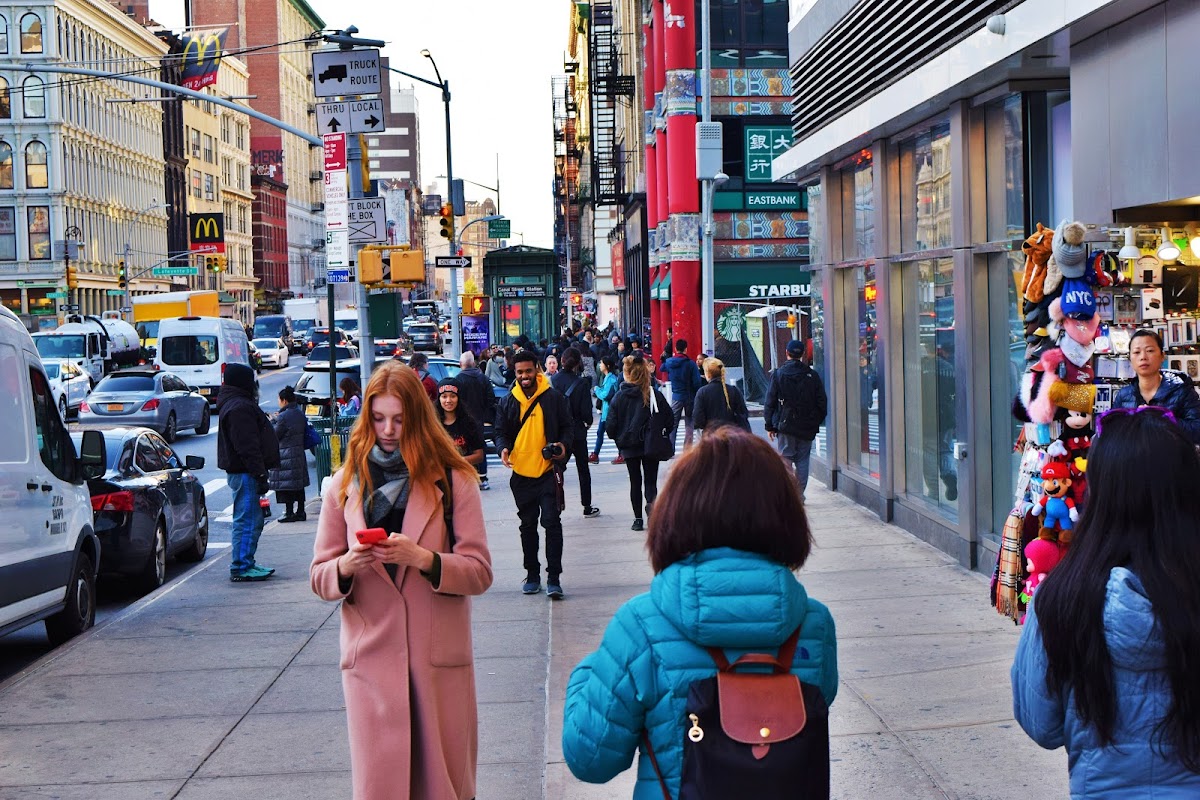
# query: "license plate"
[[312, 411], [206, 391], [115, 406]]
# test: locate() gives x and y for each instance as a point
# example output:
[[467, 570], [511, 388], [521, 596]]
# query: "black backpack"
[[756, 735]]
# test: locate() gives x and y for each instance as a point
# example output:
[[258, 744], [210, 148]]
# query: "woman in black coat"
[[290, 478], [627, 416], [718, 403]]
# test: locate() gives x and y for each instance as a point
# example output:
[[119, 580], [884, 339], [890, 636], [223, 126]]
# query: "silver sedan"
[[154, 399]]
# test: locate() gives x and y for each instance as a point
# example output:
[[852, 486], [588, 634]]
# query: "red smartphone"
[[371, 535]]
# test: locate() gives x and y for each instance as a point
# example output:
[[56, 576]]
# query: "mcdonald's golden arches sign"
[[206, 232], [202, 57]]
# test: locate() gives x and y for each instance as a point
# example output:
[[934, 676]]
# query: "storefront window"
[[930, 431], [925, 190], [816, 225], [865, 386], [817, 329], [1006, 333], [858, 208], [1004, 128]]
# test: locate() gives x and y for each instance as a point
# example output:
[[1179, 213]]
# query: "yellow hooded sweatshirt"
[[526, 454]]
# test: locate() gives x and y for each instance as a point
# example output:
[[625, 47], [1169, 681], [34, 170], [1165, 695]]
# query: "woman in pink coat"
[[407, 669]]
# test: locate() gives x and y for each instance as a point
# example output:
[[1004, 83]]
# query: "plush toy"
[[1041, 556], [1056, 504], [1037, 249]]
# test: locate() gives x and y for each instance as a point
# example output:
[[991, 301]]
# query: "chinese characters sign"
[[764, 145]]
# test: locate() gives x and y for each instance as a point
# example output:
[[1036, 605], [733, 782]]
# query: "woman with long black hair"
[[636, 404], [1107, 663]]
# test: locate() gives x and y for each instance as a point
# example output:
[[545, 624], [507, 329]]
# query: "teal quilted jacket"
[[654, 648]]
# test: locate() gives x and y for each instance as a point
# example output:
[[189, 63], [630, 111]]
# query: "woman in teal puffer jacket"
[[725, 534], [1106, 665]]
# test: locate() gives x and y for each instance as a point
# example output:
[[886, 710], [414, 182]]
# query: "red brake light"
[[150, 404], [84, 407], [117, 501]]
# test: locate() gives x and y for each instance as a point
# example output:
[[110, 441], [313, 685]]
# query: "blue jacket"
[[606, 390], [653, 650], [1132, 767], [1177, 393], [684, 376]]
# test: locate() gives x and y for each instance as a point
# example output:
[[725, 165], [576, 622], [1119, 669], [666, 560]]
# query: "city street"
[[207, 689], [25, 646]]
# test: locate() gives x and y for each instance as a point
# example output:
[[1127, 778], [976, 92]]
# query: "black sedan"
[[148, 506]]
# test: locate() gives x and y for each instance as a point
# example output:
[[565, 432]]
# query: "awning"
[[664, 289], [759, 280], [654, 288]]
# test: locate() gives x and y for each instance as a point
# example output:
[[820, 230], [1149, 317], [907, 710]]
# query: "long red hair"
[[424, 444]]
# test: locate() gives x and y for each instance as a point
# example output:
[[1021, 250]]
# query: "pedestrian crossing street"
[[608, 450]]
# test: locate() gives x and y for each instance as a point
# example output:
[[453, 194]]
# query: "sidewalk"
[[209, 689]]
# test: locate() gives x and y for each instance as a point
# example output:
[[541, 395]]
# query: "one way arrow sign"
[[350, 116]]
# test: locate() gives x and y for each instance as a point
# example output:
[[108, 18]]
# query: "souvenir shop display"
[[1080, 310]]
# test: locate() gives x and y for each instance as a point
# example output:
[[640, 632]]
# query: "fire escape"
[[608, 87], [567, 233]]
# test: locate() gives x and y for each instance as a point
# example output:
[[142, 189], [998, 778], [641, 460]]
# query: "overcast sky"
[[498, 58]]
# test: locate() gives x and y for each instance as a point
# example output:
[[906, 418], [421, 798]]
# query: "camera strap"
[[529, 411]]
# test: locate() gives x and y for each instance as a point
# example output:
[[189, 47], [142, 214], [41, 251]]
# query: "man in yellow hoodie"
[[532, 422]]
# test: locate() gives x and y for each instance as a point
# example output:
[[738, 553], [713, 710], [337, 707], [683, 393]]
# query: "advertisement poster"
[[475, 333]]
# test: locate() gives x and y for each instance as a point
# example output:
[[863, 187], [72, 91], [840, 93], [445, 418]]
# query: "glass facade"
[[925, 190], [817, 311], [864, 422], [858, 208], [930, 432], [1004, 132]]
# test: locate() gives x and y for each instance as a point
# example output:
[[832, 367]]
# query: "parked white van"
[[198, 348], [49, 551]]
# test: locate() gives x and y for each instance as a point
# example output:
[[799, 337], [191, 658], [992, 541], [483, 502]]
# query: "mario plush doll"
[[1056, 502]]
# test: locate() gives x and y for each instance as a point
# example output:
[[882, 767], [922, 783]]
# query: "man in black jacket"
[[794, 410], [246, 449], [533, 420], [578, 392], [476, 396]]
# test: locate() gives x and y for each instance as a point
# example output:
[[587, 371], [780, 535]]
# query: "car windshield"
[[269, 326], [322, 336], [113, 441], [147, 329], [322, 353], [188, 351], [60, 346], [316, 384], [303, 325], [348, 325], [266, 344], [125, 383], [51, 370], [423, 327]]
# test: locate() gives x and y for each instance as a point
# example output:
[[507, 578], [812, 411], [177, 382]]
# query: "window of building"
[[930, 429], [1004, 131], [746, 33], [195, 142], [226, 124], [209, 194], [8, 232], [6, 165], [925, 189], [3, 34], [36, 170], [372, 142], [5, 99], [38, 220], [227, 170], [196, 191], [242, 171], [241, 136], [241, 215], [33, 98], [209, 156], [865, 420], [31, 33], [373, 163], [858, 207]]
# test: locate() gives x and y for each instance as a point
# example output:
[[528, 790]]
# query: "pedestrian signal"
[[370, 266]]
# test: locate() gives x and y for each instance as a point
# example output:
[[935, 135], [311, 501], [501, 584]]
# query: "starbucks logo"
[[730, 323]]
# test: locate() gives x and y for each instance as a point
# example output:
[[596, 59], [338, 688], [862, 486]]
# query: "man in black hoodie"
[[795, 409], [246, 449]]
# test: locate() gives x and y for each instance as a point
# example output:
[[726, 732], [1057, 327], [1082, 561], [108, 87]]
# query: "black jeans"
[[640, 468], [538, 497], [579, 449]]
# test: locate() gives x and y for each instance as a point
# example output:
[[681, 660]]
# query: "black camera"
[[552, 451]]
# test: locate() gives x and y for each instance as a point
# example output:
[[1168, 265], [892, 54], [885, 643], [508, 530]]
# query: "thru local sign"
[[339, 73], [350, 116]]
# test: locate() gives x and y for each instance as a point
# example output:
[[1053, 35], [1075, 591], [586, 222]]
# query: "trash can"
[[332, 449]]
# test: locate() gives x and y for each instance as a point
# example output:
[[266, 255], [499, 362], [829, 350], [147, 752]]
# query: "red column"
[[660, 313], [683, 190], [651, 169]]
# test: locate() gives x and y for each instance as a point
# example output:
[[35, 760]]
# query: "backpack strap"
[[654, 763], [781, 663]]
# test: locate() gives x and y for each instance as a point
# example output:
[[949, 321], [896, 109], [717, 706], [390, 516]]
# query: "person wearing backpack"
[[685, 380], [725, 536], [578, 392], [639, 422], [794, 410], [718, 403]]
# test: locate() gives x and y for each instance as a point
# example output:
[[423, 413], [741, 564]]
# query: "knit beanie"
[[1068, 249], [239, 376], [447, 382]]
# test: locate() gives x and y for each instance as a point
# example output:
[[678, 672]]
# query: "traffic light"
[[121, 281], [222, 263], [447, 221], [214, 263], [576, 299], [408, 266], [72, 278], [370, 266]]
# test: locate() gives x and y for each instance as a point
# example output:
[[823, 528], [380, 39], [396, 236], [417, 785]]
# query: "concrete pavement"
[[208, 689]]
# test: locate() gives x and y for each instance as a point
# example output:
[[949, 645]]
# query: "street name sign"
[[367, 219], [115, 292], [59, 295], [165, 271], [338, 73], [499, 228], [338, 275], [350, 116], [337, 249], [451, 262]]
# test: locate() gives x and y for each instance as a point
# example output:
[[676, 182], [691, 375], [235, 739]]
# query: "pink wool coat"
[[407, 667]]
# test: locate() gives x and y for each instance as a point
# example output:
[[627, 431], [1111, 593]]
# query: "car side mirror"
[[92, 455], [193, 463]]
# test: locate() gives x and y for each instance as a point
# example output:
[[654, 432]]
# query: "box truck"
[[150, 309]]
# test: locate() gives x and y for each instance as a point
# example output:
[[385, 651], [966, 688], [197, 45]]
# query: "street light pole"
[[129, 249], [455, 342], [707, 322]]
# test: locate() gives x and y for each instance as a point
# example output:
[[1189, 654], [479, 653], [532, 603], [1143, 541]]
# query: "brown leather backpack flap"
[[760, 709]]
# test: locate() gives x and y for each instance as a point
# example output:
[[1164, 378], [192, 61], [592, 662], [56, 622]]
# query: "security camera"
[[995, 24]]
